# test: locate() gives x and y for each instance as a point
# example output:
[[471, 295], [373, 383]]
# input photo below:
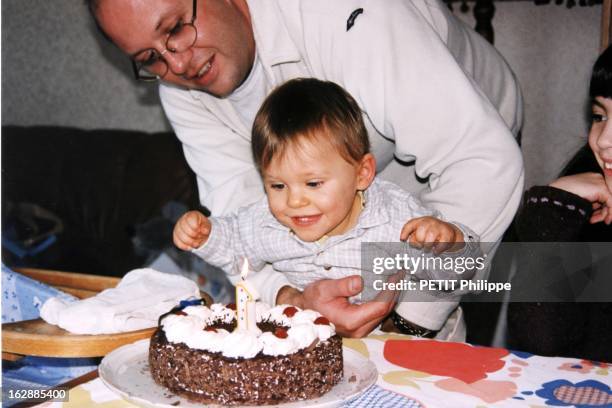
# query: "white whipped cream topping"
[[304, 334], [325, 331], [189, 329], [261, 309], [276, 315], [241, 343], [275, 346], [179, 328], [207, 340], [202, 312], [222, 313], [305, 316]]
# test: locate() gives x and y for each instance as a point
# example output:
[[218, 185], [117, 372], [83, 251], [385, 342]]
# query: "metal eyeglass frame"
[[136, 66]]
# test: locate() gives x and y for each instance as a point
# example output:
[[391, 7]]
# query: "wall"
[[552, 50], [56, 69]]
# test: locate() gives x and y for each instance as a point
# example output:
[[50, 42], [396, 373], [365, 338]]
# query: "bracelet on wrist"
[[407, 327]]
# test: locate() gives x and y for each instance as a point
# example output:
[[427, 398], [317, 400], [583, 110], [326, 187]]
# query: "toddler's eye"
[[314, 184], [277, 186]]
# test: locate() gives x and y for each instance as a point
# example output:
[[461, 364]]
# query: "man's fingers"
[[330, 297], [334, 288], [387, 295], [362, 331], [365, 314]]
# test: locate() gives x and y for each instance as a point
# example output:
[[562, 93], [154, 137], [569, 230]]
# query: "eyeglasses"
[[151, 64]]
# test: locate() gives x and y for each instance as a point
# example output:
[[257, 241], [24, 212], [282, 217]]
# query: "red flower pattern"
[[457, 360]]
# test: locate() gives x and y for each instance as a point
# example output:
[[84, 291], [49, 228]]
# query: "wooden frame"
[[606, 24], [484, 11]]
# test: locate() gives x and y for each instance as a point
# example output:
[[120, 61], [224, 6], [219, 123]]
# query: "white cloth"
[[136, 303], [431, 89]]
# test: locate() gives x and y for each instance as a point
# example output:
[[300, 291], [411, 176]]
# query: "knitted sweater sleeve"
[[549, 214]]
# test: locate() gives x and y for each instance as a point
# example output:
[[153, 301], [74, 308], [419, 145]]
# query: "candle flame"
[[245, 269]]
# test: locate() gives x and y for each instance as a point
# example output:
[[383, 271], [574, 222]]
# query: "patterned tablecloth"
[[428, 373]]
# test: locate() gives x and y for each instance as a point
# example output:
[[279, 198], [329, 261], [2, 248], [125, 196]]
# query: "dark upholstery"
[[101, 184]]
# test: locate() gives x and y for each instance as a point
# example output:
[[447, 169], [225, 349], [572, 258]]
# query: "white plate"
[[126, 372]]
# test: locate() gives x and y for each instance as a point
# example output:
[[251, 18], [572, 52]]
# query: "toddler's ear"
[[366, 171]]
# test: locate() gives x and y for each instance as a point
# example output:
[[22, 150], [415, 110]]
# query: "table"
[[427, 373]]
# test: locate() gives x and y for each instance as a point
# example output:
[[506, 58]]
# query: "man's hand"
[[591, 187], [191, 230], [431, 233], [330, 298]]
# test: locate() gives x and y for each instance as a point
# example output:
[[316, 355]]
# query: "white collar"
[[272, 37]]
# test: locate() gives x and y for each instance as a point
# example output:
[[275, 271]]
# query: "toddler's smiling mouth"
[[305, 220]]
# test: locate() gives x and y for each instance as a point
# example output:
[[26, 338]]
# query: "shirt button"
[[327, 267]]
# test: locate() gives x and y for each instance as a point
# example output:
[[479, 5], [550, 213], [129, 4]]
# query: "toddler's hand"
[[191, 230], [431, 233]]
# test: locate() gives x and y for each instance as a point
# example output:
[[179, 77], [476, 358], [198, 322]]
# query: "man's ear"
[[366, 171]]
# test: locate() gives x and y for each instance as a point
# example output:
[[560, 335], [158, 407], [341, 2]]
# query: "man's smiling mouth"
[[204, 69]]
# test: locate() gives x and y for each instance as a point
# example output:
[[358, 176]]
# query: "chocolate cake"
[[294, 355]]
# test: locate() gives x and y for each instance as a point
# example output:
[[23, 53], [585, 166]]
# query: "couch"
[[93, 189]]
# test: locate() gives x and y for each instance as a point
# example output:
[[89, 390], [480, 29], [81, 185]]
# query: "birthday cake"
[[205, 355]]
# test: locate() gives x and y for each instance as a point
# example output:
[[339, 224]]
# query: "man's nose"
[[177, 61]]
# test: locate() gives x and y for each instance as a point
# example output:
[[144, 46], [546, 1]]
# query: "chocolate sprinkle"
[[206, 377]]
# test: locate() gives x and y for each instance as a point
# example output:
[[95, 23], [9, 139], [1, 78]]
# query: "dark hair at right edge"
[[600, 85], [601, 78]]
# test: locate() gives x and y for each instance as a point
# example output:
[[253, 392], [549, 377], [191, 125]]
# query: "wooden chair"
[[38, 338]]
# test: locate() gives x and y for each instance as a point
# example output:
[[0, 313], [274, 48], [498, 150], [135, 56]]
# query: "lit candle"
[[246, 295]]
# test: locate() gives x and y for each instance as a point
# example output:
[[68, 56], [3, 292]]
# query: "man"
[[432, 92]]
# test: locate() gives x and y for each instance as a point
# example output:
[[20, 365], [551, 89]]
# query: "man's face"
[[221, 57]]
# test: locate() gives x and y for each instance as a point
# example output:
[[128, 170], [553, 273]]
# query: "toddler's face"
[[600, 136], [312, 189]]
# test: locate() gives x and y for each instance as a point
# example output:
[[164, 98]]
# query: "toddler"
[[322, 200]]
